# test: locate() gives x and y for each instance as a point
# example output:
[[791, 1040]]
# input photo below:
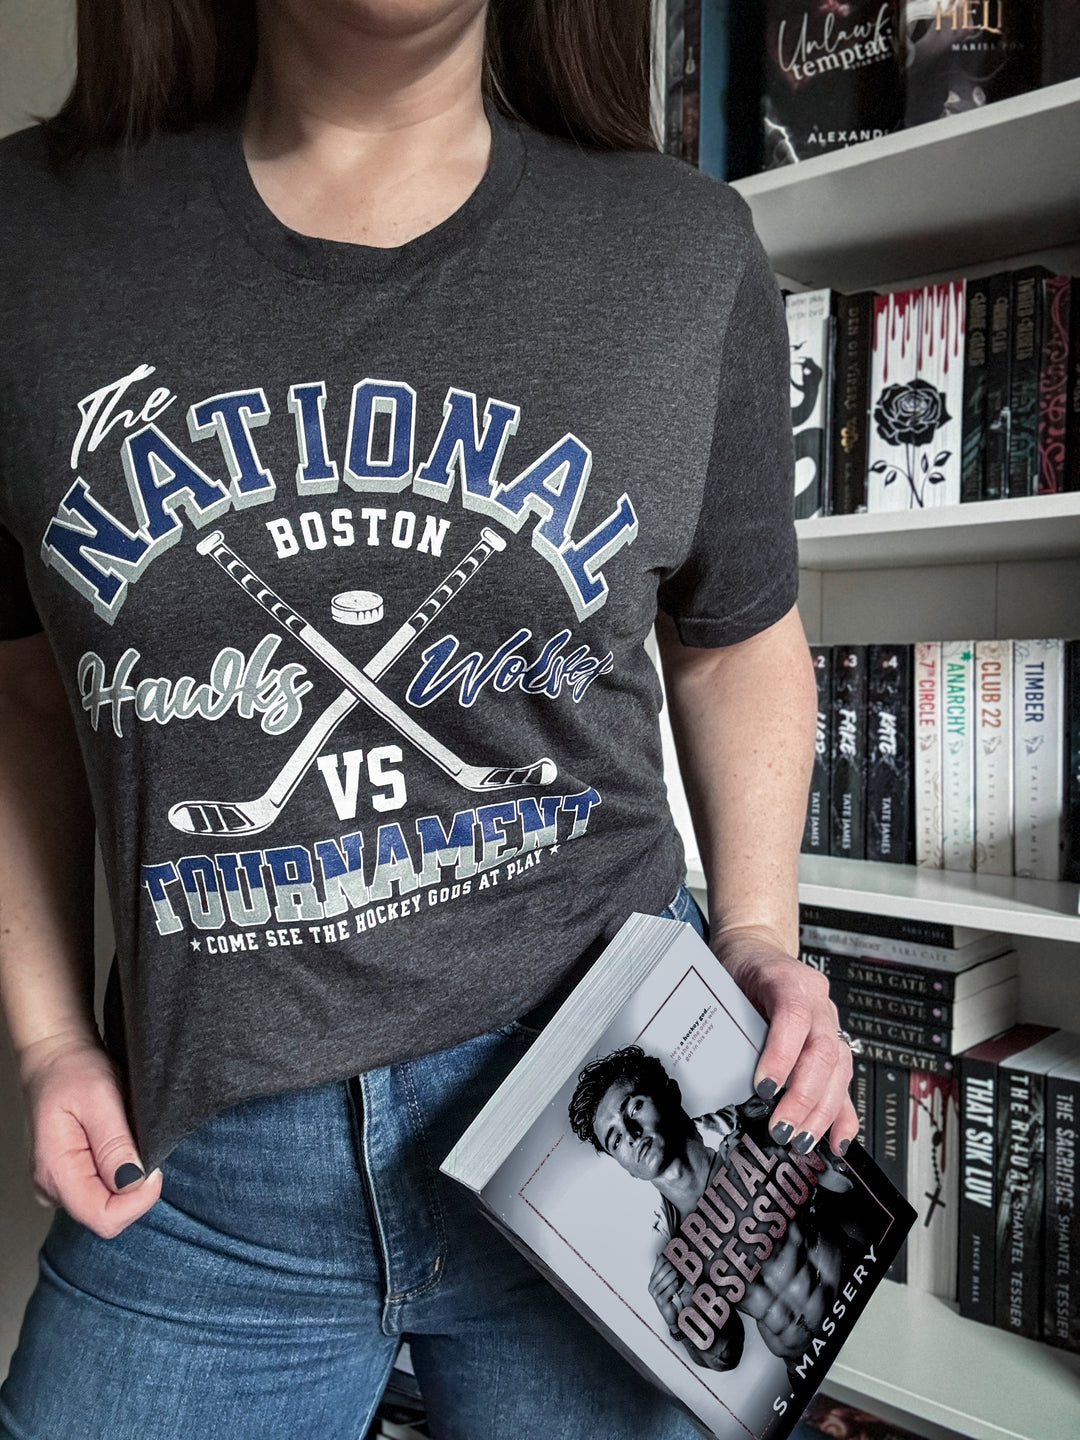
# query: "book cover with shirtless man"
[[628, 1156]]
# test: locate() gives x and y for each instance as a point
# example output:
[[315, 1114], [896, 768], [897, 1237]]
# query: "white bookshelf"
[[953, 194], [976, 191]]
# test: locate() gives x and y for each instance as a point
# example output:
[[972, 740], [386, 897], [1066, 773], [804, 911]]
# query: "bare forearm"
[[46, 856], [744, 721]]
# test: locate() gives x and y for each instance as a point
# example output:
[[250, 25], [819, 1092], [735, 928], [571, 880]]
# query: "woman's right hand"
[[80, 1138]]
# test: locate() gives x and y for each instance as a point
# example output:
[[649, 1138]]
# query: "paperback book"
[[929, 836], [890, 819], [963, 55], [1039, 757], [958, 754], [993, 757], [810, 334], [816, 832], [847, 785], [628, 1156]]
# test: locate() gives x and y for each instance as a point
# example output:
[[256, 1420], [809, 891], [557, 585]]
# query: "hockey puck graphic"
[[357, 607]]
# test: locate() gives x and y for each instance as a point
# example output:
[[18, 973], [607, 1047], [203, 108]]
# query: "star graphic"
[[554, 850], [195, 945]]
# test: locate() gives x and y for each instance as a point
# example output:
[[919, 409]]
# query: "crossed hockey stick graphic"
[[227, 817]]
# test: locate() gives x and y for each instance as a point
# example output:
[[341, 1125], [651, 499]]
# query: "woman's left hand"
[[803, 1052]]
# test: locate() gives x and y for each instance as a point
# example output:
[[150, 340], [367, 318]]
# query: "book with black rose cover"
[[628, 1157]]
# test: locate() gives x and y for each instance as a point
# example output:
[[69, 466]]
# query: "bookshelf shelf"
[[1043, 909], [949, 195], [913, 1356], [1036, 528]]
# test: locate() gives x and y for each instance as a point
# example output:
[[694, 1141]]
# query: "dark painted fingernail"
[[766, 1088], [803, 1142], [127, 1175], [781, 1132], [844, 1145]]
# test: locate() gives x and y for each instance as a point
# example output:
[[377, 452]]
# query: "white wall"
[[36, 63]]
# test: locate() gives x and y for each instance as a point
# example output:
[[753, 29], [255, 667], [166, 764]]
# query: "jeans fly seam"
[[432, 1192], [372, 1193]]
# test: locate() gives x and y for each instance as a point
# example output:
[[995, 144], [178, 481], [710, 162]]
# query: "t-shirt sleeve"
[[18, 617], [741, 572]]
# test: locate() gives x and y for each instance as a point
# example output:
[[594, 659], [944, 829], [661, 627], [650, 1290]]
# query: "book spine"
[[712, 122], [891, 1089], [879, 948], [898, 979], [915, 1009], [1072, 417], [1061, 1281], [896, 1032], [977, 1220], [993, 757], [996, 443], [691, 86], [848, 751], [958, 754], [1054, 383], [1038, 667], [816, 831], [976, 351], [851, 408], [676, 39], [937, 449], [1071, 817], [862, 1097], [929, 837], [897, 403], [809, 322], [1027, 310], [893, 927], [912, 1057], [889, 808], [933, 1181], [1018, 1304]]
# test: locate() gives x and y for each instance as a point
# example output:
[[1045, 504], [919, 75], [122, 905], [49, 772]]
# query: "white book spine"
[[958, 753], [894, 402], [928, 832], [809, 321], [994, 757], [1039, 751], [933, 1182], [940, 396]]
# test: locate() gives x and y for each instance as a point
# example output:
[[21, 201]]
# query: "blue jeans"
[[298, 1240]]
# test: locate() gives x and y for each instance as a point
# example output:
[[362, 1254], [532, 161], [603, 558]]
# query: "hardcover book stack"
[[954, 392], [915, 995], [956, 755], [1018, 1226], [755, 84]]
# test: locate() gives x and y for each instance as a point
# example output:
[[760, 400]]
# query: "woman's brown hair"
[[573, 68]]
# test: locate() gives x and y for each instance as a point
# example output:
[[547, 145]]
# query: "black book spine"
[[996, 443], [1072, 418], [851, 401], [977, 1217], [1027, 331], [848, 751], [888, 976], [691, 86], [1061, 1317], [862, 1097], [976, 353], [745, 94], [889, 927], [1054, 383], [891, 1097], [912, 1009], [911, 1057], [817, 829], [1018, 1305], [888, 1030], [1071, 827], [890, 798]]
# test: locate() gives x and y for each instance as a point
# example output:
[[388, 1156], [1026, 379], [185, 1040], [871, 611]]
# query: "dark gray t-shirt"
[[426, 500]]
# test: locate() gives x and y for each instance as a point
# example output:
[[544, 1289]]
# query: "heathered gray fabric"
[[622, 305]]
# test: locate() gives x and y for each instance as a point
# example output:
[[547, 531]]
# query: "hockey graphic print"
[[380, 654]]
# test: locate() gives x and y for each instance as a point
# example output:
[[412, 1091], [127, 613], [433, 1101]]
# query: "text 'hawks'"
[[101, 556]]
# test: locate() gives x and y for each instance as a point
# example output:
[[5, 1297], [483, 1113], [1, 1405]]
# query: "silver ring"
[[855, 1046]]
